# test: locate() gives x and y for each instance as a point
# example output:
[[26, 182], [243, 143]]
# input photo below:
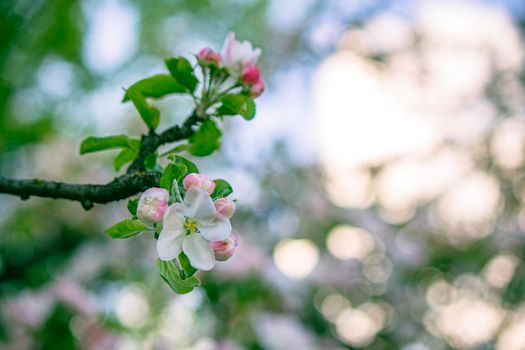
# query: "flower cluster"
[[240, 60], [189, 213], [195, 225]]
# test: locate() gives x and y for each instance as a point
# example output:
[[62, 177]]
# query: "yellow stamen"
[[190, 226]]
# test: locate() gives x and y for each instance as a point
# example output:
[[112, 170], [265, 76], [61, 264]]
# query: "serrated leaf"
[[132, 206], [126, 229], [248, 111], [95, 144], [156, 86], [186, 266], [170, 173], [182, 71], [205, 140], [170, 274], [149, 114], [192, 168], [125, 156], [176, 149], [222, 189], [232, 104]]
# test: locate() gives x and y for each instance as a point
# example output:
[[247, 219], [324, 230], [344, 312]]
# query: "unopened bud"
[[257, 89], [250, 74], [199, 181], [224, 250], [209, 56], [225, 207], [152, 205]]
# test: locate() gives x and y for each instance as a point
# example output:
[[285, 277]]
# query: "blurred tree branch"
[[134, 181]]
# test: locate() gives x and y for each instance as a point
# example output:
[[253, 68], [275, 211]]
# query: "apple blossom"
[[236, 54], [152, 205], [191, 227], [250, 74], [224, 250], [201, 181], [207, 55], [225, 207], [257, 89]]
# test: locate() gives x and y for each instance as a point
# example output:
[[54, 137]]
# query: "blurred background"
[[381, 186]]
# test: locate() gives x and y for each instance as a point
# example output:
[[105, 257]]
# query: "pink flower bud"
[[199, 181], [225, 207], [203, 53], [223, 250], [209, 56], [257, 89], [250, 74], [152, 205]]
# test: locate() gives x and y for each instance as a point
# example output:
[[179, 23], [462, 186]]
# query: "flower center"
[[190, 226]]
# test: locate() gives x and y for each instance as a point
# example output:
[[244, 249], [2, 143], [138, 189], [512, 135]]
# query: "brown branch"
[[152, 141], [87, 194], [134, 181]]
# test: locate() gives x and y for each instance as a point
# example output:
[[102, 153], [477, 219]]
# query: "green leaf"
[[172, 172], [248, 111], [222, 189], [232, 104], [186, 266], [191, 167], [181, 69], [132, 207], [176, 149], [125, 156], [149, 114], [177, 170], [156, 86], [205, 140], [126, 229], [94, 144], [169, 272]]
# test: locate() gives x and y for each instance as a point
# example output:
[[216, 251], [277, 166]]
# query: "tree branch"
[[87, 194], [152, 141], [134, 181]]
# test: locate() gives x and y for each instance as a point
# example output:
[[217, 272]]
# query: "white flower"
[[236, 54], [191, 227]]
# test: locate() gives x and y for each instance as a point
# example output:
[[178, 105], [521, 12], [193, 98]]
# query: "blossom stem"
[[175, 191], [204, 79], [181, 272]]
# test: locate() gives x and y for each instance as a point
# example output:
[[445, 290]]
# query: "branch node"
[[87, 204]]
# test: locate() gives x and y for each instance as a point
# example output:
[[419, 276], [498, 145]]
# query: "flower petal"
[[173, 217], [217, 229], [227, 49], [254, 56], [198, 205], [199, 252], [169, 244]]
